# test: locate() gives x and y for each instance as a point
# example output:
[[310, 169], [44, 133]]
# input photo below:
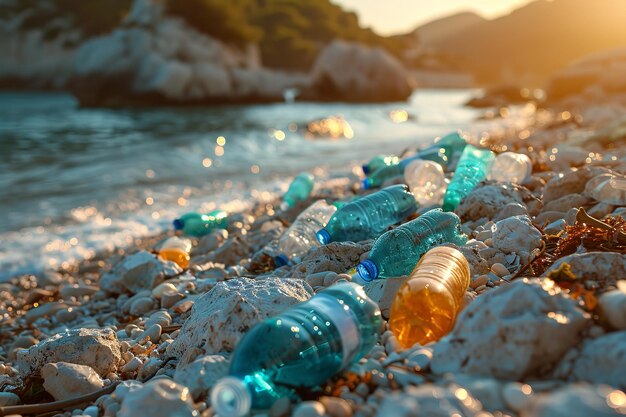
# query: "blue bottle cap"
[[178, 224], [281, 260], [366, 169], [323, 236], [367, 270], [365, 184]]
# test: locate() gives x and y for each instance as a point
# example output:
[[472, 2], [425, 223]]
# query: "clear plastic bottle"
[[511, 167], [196, 224], [299, 190], [426, 305], [176, 250], [444, 151], [426, 181], [472, 168], [301, 235], [302, 347], [607, 188], [369, 216], [396, 252], [379, 161]]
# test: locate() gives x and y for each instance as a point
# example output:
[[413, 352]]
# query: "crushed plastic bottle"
[[378, 162], [369, 216], [426, 305], [511, 167], [176, 250], [302, 347], [396, 252], [301, 235], [472, 168], [607, 188], [196, 224], [299, 190], [426, 181], [444, 151]]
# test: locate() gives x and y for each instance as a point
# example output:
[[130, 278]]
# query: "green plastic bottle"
[[196, 224], [299, 190], [396, 252], [301, 347], [472, 168], [369, 216], [378, 162]]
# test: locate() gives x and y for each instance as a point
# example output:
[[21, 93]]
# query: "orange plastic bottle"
[[176, 250], [426, 305]]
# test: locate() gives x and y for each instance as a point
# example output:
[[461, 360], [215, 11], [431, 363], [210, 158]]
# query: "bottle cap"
[[323, 236], [365, 184], [281, 260], [367, 270], [366, 169], [178, 224], [231, 398]]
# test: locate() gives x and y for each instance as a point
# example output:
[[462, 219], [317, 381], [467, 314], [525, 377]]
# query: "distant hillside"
[[439, 29], [532, 42]]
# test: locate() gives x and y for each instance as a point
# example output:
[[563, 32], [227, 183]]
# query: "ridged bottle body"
[[472, 168], [378, 162], [302, 347], [176, 250], [299, 189], [511, 167], [427, 304], [396, 252], [426, 181], [196, 224], [369, 216], [301, 235]]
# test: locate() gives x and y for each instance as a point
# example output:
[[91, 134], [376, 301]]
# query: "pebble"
[[336, 407], [141, 306], [309, 409], [280, 408], [404, 378], [499, 269], [153, 332], [91, 411], [65, 381], [420, 359], [161, 289], [516, 395], [132, 365], [330, 278], [8, 399], [481, 280]]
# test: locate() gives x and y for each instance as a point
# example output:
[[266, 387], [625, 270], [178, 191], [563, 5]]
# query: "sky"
[[388, 17]]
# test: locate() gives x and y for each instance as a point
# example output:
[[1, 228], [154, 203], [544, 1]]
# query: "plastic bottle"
[[299, 190], [176, 250], [300, 237], [302, 347], [396, 252], [369, 216], [511, 167], [196, 224], [472, 168], [426, 181], [444, 151], [379, 161], [426, 305]]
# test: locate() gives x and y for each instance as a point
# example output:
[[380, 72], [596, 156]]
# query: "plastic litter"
[[472, 168], [426, 181], [196, 224], [176, 250], [511, 167], [299, 190]]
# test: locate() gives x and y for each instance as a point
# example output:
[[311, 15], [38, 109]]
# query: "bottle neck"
[[231, 397]]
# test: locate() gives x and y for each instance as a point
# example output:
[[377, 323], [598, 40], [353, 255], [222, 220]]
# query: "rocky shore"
[[543, 332]]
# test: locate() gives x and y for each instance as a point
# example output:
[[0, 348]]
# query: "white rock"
[[429, 400], [602, 361], [141, 306], [489, 199], [91, 411], [97, 348], [67, 380], [223, 315], [383, 292], [612, 305], [202, 374], [572, 182], [509, 332], [604, 267], [134, 364], [309, 409], [516, 235], [517, 396], [337, 257], [159, 397], [211, 241], [575, 400], [140, 271], [153, 332], [510, 210], [163, 288], [487, 390]]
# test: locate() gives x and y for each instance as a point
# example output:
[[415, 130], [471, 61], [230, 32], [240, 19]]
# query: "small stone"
[[141, 306], [330, 278], [316, 280], [134, 364], [612, 306], [309, 409], [202, 374], [65, 381], [517, 395], [481, 280], [383, 292], [336, 407], [163, 288], [601, 361], [91, 411], [159, 397], [420, 359], [500, 270], [153, 332], [78, 291], [8, 399], [280, 408]]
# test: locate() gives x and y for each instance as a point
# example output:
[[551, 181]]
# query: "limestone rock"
[[604, 267], [67, 380], [140, 271], [516, 235], [572, 182], [489, 198], [383, 292], [159, 397], [563, 204], [575, 400], [202, 374], [509, 332], [602, 361], [223, 315], [97, 348], [337, 257], [347, 71]]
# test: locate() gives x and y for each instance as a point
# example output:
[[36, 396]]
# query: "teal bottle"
[[378, 162], [396, 252], [444, 151], [302, 347], [472, 168], [196, 224], [299, 190], [369, 216]]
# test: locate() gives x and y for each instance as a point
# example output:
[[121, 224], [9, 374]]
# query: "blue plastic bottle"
[[396, 252], [299, 189], [369, 216], [379, 161], [302, 347], [472, 168], [196, 224], [444, 151]]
